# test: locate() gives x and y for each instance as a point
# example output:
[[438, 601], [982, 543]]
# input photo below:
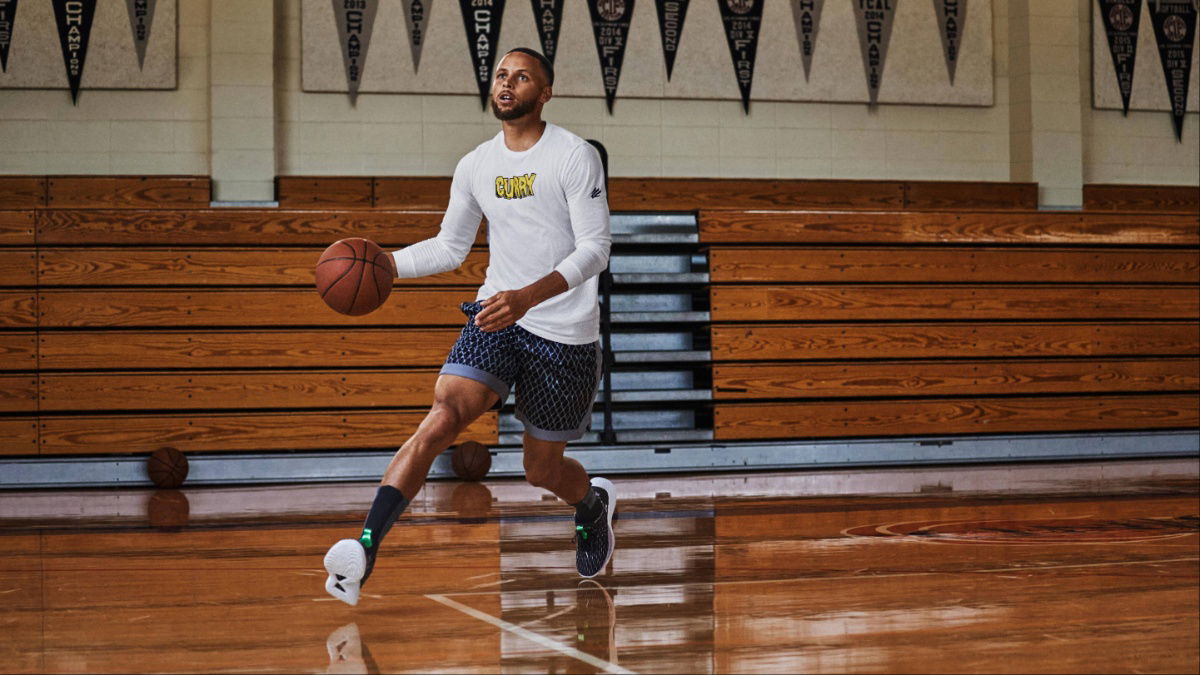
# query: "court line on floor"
[[864, 577], [541, 640]]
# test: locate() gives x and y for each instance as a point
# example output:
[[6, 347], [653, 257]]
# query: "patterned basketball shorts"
[[555, 383]]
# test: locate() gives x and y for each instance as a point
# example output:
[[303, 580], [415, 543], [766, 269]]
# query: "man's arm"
[[449, 248], [504, 308]]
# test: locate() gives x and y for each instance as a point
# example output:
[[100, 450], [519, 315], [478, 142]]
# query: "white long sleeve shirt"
[[547, 210]]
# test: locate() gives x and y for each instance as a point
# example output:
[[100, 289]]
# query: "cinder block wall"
[[116, 132], [243, 124]]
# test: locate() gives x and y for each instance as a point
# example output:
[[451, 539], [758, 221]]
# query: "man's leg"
[[595, 501], [546, 467], [457, 402]]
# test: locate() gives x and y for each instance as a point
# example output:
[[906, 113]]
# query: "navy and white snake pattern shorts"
[[555, 383]]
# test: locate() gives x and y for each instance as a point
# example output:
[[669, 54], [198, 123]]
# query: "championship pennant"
[[416, 17], [547, 14], [874, 18], [141, 15], [74, 21], [807, 15], [1121, 20], [610, 24], [742, 19], [952, 19], [1175, 30], [671, 14], [354, 19], [481, 19], [8, 16]]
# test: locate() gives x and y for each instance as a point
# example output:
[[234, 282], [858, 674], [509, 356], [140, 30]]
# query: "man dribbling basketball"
[[534, 327]]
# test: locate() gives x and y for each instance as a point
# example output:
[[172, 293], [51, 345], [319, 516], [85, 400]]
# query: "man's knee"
[[445, 420]]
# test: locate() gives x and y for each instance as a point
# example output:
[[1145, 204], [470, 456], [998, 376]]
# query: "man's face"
[[518, 87]]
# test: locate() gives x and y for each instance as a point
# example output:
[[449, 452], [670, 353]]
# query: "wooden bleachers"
[[1142, 198], [133, 315], [65, 192], [677, 194], [909, 322]]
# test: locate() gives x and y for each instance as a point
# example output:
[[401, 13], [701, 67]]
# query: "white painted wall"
[[407, 134], [194, 129], [116, 132]]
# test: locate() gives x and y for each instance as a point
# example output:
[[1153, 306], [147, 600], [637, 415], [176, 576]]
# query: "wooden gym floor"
[[1073, 567]]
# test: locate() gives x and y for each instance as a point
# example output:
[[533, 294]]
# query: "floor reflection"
[[1052, 573], [348, 655]]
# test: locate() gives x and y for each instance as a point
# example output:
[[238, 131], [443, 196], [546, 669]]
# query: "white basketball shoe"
[[346, 563]]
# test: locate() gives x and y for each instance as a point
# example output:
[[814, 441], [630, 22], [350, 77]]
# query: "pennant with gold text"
[[416, 17], [481, 19], [742, 19], [74, 21], [671, 14], [874, 18], [547, 14], [952, 19], [610, 23], [1174, 24], [355, 19], [807, 15]]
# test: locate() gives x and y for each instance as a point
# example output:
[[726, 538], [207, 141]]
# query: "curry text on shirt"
[[515, 187]]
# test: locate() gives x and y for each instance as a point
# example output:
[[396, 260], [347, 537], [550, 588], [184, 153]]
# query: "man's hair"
[[545, 62]]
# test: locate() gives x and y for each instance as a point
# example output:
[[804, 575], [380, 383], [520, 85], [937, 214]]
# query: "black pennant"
[[742, 19], [547, 14], [671, 14], [141, 16], [610, 23], [952, 20], [807, 15], [481, 19], [1121, 20], [8, 17], [1175, 30], [74, 19]]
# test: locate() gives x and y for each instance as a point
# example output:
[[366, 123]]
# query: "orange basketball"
[[471, 460], [167, 467], [354, 276]]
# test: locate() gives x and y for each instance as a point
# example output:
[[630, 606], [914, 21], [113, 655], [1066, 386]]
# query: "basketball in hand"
[[354, 276]]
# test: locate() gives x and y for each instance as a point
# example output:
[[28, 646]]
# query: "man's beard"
[[518, 110]]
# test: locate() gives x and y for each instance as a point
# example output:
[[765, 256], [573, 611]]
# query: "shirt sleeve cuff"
[[570, 272], [404, 265]]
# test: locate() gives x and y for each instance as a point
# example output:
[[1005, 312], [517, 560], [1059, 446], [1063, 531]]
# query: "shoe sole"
[[607, 486], [346, 563]]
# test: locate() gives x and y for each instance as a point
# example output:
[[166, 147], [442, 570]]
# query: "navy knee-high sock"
[[386, 508]]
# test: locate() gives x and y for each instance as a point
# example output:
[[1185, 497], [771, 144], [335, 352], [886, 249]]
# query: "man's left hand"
[[502, 310]]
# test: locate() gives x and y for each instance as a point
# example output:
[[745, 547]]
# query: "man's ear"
[[546, 95]]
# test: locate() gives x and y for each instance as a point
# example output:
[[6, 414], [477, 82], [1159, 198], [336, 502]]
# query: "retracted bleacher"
[[744, 313]]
